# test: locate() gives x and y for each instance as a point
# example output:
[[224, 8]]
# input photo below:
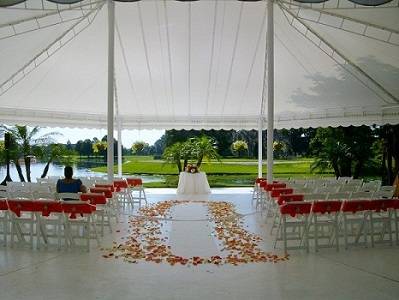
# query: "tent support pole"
[[110, 112], [270, 90], [260, 147], [119, 148]]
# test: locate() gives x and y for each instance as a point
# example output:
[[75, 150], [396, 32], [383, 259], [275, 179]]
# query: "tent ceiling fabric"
[[199, 64]]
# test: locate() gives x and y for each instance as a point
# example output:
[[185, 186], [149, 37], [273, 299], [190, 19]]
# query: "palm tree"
[[51, 153], [204, 147], [26, 139], [173, 154]]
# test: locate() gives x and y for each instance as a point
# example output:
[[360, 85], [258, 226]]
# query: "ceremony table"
[[193, 183]]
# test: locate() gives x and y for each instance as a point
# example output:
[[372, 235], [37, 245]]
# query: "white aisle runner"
[[192, 238]]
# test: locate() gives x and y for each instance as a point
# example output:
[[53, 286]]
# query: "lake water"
[[79, 170]]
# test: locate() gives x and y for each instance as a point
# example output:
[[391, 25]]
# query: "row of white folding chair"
[[28, 187], [349, 195], [31, 195]]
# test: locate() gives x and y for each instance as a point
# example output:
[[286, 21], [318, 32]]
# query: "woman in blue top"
[[68, 184]]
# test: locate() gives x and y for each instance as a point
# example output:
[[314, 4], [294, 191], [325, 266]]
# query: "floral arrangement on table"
[[192, 169]]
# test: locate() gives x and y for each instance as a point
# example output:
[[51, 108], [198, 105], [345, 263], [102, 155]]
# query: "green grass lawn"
[[224, 173]]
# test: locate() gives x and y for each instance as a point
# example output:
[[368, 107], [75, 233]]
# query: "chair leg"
[[336, 229], [316, 233], [372, 230], [285, 234], [345, 232], [396, 221]]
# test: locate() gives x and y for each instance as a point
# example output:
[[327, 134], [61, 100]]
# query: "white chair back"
[[383, 195], [339, 196], [68, 196], [387, 188], [43, 195], [361, 195], [315, 196]]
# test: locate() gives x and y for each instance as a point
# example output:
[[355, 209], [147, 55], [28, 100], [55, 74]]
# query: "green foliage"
[[239, 147], [344, 149], [26, 143], [173, 154], [194, 149], [99, 146], [279, 149], [2, 153], [139, 147]]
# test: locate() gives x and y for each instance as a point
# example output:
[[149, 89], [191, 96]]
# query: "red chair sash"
[[355, 206], [103, 191], [284, 198], [382, 205], [326, 206], [280, 191], [120, 184], [295, 208], [108, 186], [134, 181], [94, 198], [3, 205], [18, 206], [273, 186], [75, 208]]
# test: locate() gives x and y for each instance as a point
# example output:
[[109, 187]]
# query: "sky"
[[128, 136]]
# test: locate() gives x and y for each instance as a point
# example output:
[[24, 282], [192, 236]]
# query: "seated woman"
[[68, 184]]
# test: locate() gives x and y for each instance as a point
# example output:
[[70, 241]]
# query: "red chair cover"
[[48, 207], [289, 198], [75, 208], [326, 206], [3, 205], [295, 208], [134, 181], [260, 179], [108, 186], [280, 191], [273, 186], [382, 205], [17, 206], [120, 184], [355, 206], [102, 190], [94, 198]]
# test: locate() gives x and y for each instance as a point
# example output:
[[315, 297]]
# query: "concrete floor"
[[357, 273]]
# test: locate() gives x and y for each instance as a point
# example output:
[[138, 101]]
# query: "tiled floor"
[[357, 273]]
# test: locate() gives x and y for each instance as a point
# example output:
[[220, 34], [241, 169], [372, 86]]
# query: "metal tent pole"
[[270, 90], [119, 148], [260, 147], [110, 112]]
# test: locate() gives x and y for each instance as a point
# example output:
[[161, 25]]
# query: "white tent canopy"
[[199, 64]]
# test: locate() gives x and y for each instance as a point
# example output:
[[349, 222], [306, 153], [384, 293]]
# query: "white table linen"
[[190, 184]]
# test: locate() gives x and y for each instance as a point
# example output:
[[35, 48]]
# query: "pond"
[[81, 169]]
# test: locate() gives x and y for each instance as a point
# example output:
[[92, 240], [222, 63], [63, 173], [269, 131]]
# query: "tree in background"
[[279, 149], [26, 139], [204, 147], [173, 154], [239, 147], [54, 152], [389, 139], [140, 147], [99, 147], [345, 149]]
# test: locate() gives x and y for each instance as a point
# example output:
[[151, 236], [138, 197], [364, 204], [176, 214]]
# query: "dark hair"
[[68, 172]]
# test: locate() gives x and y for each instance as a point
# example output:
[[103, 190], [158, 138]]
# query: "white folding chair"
[[339, 196], [315, 196], [361, 195], [4, 217]]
